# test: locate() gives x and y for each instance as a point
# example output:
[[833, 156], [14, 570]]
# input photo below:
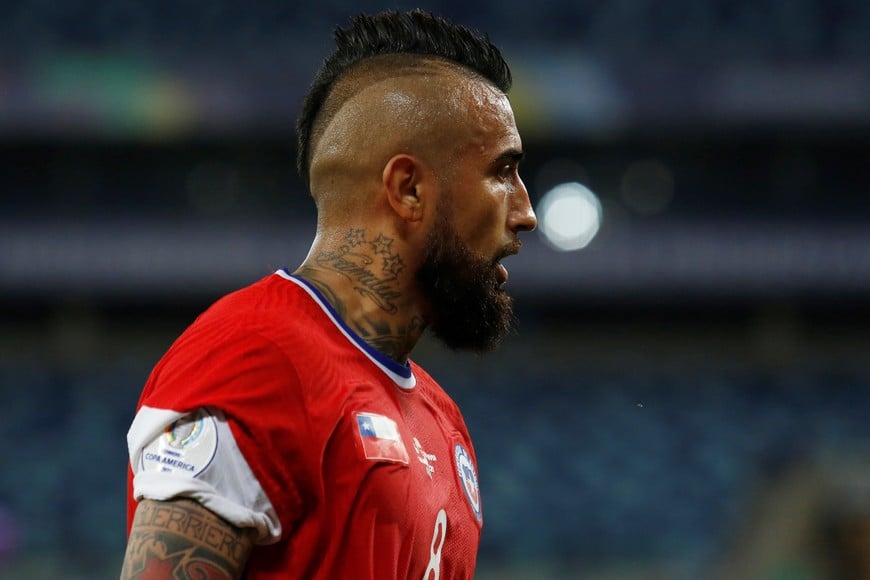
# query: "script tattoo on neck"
[[396, 344], [373, 277]]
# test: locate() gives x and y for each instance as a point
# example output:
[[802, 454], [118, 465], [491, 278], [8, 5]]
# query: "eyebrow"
[[510, 155]]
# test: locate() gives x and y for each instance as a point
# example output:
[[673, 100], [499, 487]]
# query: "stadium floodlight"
[[569, 216]]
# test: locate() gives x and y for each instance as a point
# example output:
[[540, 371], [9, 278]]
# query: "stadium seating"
[[578, 471]]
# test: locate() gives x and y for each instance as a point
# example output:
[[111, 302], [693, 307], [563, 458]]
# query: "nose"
[[521, 217]]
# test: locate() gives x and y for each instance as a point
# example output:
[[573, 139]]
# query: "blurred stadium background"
[[688, 395]]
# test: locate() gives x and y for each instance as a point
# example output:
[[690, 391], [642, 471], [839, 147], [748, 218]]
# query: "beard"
[[470, 309]]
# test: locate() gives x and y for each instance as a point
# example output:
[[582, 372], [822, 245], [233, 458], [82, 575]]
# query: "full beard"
[[470, 309]]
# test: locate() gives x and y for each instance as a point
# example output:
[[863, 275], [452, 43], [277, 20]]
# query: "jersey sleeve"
[[222, 421], [195, 456]]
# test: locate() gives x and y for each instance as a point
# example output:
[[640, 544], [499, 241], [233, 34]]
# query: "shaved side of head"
[[384, 106], [371, 49]]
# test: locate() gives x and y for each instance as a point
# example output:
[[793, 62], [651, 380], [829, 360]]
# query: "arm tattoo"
[[180, 539], [376, 281]]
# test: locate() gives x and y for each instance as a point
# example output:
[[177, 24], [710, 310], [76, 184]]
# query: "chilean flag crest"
[[380, 438], [468, 479]]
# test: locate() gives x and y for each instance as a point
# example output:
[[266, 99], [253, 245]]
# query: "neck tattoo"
[[374, 277]]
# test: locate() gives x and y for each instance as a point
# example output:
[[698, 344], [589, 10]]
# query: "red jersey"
[[272, 413]]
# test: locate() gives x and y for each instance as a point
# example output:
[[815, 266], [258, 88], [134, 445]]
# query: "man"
[[286, 433]]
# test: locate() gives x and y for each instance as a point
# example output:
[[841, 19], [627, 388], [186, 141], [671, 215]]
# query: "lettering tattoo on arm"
[[180, 539]]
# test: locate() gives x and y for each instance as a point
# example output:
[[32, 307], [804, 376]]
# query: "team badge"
[[468, 479], [380, 438], [186, 446]]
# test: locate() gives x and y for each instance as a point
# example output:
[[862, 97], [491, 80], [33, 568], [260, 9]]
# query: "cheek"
[[483, 222]]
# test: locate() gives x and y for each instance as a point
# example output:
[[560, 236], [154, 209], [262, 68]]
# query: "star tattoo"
[[356, 237], [393, 265], [381, 245]]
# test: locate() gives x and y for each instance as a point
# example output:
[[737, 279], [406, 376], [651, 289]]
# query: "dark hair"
[[400, 33]]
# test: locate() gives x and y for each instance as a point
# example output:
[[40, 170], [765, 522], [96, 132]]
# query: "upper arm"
[[180, 538]]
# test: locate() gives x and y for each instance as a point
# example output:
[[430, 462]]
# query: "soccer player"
[[286, 433]]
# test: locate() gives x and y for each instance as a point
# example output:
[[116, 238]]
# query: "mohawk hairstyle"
[[394, 33]]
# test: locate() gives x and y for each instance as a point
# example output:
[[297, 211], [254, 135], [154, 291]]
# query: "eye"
[[507, 170], [506, 167]]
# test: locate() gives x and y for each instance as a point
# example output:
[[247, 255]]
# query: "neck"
[[365, 279]]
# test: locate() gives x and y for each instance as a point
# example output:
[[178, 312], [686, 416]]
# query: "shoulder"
[[435, 393], [274, 309], [272, 297], [248, 341]]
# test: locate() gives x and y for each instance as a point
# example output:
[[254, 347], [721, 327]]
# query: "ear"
[[406, 183]]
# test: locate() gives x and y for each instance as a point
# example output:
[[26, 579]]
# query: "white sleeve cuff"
[[195, 455]]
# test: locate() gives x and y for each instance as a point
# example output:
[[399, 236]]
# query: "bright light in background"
[[569, 216]]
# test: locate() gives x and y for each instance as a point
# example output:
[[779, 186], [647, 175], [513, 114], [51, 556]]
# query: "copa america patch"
[[188, 445], [468, 479]]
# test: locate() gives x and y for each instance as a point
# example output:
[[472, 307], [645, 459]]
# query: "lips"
[[502, 273], [510, 250]]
